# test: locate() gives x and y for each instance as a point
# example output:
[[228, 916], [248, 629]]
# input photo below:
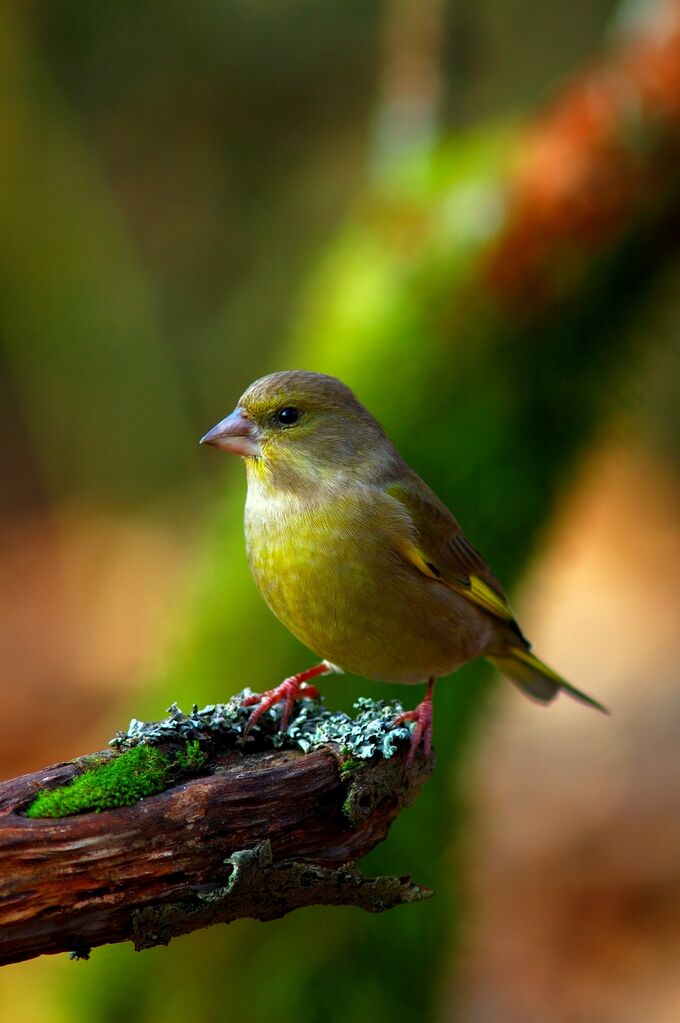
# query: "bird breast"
[[331, 570]]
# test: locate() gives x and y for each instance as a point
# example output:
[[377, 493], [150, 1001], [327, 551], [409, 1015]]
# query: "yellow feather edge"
[[483, 595], [534, 662], [508, 666], [476, 589]]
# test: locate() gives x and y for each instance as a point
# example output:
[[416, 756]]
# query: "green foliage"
[[141, 771]]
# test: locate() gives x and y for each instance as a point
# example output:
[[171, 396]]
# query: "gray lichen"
[[154, 755], [260, 888], [222, 725]]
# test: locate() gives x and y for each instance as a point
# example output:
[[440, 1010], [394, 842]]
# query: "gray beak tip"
[[236, 434]]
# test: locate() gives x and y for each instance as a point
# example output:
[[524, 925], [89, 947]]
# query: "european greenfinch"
[[358, 557]]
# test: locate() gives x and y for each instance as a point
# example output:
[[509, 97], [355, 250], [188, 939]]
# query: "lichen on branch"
[[223, 725], [184, 824], [264, 890], [153, 756]]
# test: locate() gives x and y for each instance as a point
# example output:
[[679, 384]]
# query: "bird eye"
[[287, 416]]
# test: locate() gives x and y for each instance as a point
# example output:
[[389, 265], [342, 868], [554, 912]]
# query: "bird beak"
[[236, 433]]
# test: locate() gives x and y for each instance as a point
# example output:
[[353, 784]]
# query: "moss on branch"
[[183, 825], [153, 756]]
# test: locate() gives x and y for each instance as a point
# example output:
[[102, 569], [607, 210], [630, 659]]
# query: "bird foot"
[[422, 733], [288, 691]]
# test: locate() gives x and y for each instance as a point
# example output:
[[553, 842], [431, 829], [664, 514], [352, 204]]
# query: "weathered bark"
[[257, 835]]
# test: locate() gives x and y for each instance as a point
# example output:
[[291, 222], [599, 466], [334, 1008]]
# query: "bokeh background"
[[469, 212]]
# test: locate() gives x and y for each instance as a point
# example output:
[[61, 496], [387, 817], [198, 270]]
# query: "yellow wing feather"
[[472, 587], [442, 551]]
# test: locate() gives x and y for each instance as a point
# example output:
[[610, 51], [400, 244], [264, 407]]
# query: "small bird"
[[358, 558]]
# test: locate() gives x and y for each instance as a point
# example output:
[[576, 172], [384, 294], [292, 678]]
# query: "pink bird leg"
[[288, 691], [422, 733]]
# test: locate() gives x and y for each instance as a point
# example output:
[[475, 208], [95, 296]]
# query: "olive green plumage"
[[353, 551]]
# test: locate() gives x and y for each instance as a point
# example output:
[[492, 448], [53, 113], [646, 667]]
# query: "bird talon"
[[291, 689], [422, 733]]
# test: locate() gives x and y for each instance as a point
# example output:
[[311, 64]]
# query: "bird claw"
[[291, 689], [422, 733]]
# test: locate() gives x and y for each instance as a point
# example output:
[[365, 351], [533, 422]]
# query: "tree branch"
[[255, 834], [599, 161]]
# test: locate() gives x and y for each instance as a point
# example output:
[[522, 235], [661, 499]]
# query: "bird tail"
[[536, 679]]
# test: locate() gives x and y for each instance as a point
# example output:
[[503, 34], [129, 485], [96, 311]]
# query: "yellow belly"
[[332, 573]]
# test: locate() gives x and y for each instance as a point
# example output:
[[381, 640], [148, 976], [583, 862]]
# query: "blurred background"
[[470, 214]]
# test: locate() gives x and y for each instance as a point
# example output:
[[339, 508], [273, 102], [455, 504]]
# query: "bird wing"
[[443, 552]]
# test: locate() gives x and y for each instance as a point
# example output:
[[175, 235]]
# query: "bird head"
[[299, 427]]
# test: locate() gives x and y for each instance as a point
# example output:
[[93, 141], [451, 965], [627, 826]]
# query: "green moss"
[[348, 764], [193, 758], [141, 771]]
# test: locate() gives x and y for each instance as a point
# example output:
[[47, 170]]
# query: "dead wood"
[[257, 834]]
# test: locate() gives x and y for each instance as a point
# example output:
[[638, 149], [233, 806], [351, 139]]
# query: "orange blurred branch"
[[598, 161]]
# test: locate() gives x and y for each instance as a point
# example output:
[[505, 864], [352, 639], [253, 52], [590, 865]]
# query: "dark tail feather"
[[536, 679]]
